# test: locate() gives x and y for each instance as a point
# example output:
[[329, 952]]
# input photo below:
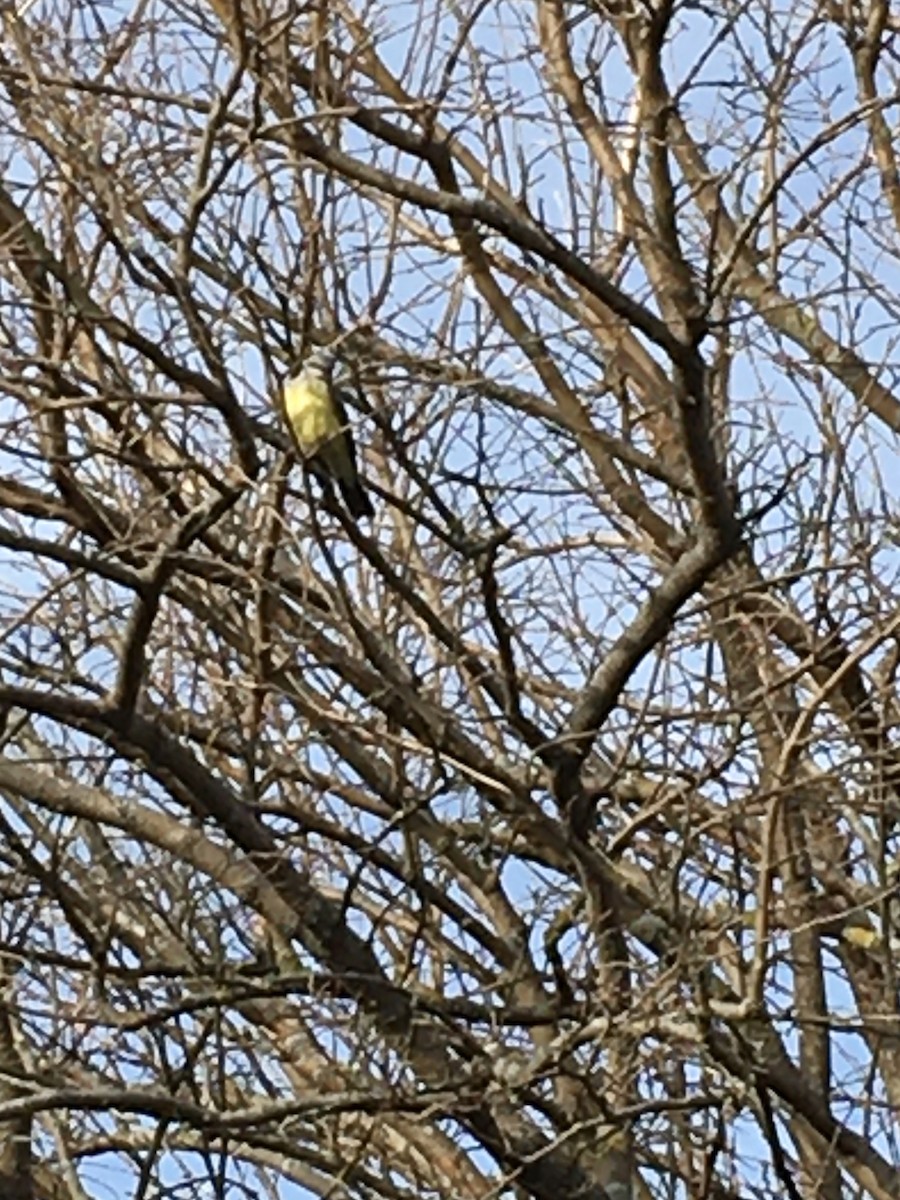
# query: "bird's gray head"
[[318, 365]]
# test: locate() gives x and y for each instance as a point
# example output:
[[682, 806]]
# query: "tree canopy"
[[536, 838]]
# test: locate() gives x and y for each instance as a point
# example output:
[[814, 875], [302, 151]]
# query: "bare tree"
[[536, 839]]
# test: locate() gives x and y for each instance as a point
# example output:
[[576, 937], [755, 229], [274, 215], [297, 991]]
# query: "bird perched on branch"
[[318, 421]]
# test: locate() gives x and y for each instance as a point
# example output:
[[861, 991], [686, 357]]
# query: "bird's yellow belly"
[[312, 417], [314, 424]]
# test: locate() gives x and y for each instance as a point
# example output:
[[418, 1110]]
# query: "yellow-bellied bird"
[[318, 421]]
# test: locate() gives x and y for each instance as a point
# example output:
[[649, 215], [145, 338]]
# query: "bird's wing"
[[340, 409], [338, 451]]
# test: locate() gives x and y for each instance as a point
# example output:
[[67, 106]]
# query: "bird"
[[318, 421]]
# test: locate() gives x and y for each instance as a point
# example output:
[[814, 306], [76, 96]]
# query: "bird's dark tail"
[[358, 503]]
